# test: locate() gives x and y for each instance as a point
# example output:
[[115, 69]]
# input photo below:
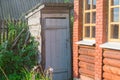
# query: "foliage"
[[18, 51], [66, 1], [31, 75]]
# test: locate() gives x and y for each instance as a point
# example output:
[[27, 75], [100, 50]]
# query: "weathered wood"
[[86, 65], [86, 72], [106, 79], [110, 76], [88, 59], [84, 77], [3, 31], [34, 21], [112, 54], [17, 38], [85, 51], [111, 69], [91, 76], [112, 62]]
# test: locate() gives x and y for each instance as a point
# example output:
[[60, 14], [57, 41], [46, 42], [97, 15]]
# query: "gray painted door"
[[57, 40]]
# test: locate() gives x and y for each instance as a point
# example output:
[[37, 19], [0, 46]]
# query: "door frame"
[[68, 35]]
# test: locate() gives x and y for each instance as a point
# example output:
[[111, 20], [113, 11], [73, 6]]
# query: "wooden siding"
[[86, 62], [111, 65], [16, 8]]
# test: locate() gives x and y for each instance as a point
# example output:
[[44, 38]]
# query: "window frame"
[[91, 24], [110, 22]]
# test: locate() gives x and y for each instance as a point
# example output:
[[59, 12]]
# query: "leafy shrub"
[[31, 75], [66, 1], [18, 51]]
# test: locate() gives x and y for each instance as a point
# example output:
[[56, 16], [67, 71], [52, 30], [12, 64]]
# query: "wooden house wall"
[[86, 62], [111, 65]]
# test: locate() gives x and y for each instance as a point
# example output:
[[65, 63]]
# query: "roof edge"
[[41, 6], [34, 10]]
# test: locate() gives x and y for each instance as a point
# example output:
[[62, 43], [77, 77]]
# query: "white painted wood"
[[57, 40], [86, 42], [34, 19], [35, 11], [35, 30], [111, 45]]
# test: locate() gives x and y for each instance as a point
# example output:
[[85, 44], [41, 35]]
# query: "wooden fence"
[[3, 31]]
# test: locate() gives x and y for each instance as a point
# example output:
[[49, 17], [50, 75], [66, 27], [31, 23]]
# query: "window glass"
[[88, 2], [87, 31], [94, 17], [87, 17], [115, 31], [114, 20], [115, 2], [94, 4], [115, 14], [93, 31]]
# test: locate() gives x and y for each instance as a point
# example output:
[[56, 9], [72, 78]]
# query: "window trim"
[[91, 10], [86, 42], [111, 45], [110, 22]]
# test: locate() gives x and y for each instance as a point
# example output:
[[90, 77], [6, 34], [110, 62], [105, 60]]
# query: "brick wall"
[[77, 34], [101, 24], [101, 37]]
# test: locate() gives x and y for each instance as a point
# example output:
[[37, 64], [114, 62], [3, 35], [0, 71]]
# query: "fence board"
[[4, 33]]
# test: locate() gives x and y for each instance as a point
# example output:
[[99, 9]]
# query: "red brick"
[[76, 35], [101, 37]]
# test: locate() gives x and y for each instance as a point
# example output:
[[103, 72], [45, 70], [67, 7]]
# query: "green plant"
[[66, 1], [4, 73], [18, 51], [31, 75]]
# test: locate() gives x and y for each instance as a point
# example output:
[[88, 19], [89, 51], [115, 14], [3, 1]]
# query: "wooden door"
[[57, 45]]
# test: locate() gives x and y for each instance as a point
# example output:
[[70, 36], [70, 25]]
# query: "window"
[[89, 19], [114, 20]]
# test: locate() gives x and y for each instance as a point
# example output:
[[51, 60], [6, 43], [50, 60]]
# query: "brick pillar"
[[77, 34], [101, 21]]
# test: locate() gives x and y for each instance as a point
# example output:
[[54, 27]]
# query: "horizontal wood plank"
[[111, 69], [112, 62], [112, 54], [110, 76], [86, 51], [87, 59], [86, 77], [86, 72], [86, 65]]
